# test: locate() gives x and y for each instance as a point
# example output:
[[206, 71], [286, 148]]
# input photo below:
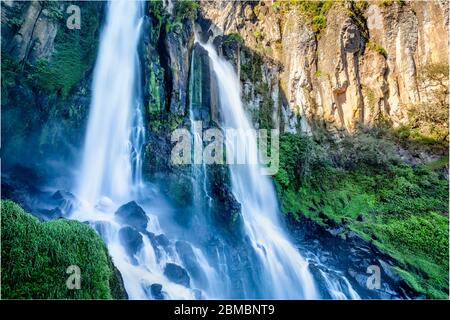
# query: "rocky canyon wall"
[[362, 63]]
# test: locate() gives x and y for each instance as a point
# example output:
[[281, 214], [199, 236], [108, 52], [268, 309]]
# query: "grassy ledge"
[[402, 210]]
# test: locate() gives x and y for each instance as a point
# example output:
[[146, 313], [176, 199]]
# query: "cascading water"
[[111, 162], [285, 271], [111, 166], [199, 178], [111, 176]]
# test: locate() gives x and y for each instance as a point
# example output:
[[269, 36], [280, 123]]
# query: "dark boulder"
[[152, 238], [156, 291], [162, 240], [177, 274], [133, 215], [50, 214], [197, 294], [65, 201], [131, 239], [189, 260]]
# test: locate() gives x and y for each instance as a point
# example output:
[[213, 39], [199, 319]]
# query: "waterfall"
[[198, 167], [110, 173], [111, 164], [285, 271]]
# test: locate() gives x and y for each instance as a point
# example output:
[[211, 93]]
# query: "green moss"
[[35, 256], [440, 163], [156, 10], [234, 37], [186, 9], [402, 210], [10, 70], [154, 104], [74, 55]]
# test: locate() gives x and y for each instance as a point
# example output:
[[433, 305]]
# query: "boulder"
[[50, 214], [133, 215], [151, 237], [162, 240], [156, 291], [177, 274], [197, 294], [131, 239], [65, 201], [187, 256]]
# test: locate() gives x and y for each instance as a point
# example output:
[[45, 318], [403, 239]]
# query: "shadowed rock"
[[132, 241], [177, 274], [133, 215], [156, 291], [189, 260]]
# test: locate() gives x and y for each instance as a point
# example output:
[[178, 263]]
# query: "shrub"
[[316, 11], [402, 210], [299, 156], [367, 147], [186, 9], [234, 37], [371, 45]]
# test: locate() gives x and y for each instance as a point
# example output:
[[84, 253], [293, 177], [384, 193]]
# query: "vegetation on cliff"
[[36, 255], [362, 186]]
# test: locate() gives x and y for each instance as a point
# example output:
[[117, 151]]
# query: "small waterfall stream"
[[285, 271]]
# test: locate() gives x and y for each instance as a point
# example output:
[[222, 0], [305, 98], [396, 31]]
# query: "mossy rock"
[[36, 255]]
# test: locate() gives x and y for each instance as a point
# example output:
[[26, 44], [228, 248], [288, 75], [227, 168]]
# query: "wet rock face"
[[351, 39], [35, 38], [353, 255], [187, 256], [132, 241], [133, 215], [65, 201], [177, 274], [178, 46]]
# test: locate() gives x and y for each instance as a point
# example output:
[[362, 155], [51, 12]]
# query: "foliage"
[[299, 156], [157, 11], [234, 37], [365, 147], [35, 256], [388, 3], [10, 68], [428, 121], [402, 210], [316, 11], [74, 54], [186, 9], [371, 45]]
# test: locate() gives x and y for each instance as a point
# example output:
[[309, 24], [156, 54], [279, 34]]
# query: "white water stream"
[[110, 173], [285, 271]]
